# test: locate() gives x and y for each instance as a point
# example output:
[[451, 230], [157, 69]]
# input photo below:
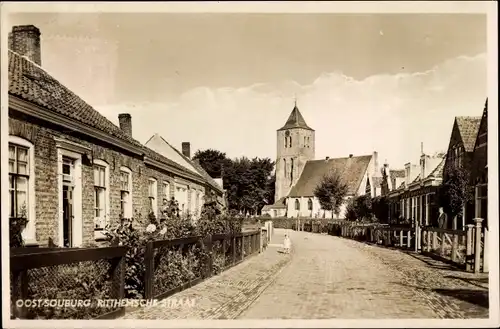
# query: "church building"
[[298, 173]]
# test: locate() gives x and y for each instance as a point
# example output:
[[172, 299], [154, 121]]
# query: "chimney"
[[25, 40], [125, 123], [186, 149], [327, 158], [350, 155], [407, 173], [375, 162]]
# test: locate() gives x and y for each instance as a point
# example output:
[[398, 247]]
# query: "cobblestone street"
[[330, 277]]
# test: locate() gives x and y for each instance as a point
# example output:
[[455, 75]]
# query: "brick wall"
[[46, 180]]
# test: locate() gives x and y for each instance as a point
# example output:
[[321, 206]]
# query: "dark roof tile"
[[32, 83], [351, 170], [295, 120], [468, 127]]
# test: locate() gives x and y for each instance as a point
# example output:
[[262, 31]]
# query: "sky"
[[374, 82]]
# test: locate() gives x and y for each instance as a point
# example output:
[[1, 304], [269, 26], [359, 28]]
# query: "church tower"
[[295, 146]]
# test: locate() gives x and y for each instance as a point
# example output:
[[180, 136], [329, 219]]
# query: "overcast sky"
[[227, 81]]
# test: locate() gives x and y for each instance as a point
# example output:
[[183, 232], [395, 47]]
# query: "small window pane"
[[22, 168], [22, 198], [12, 152], [22, 154], [12, 165]]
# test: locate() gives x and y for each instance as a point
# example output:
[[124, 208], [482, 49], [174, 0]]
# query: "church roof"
[[351, 169], [295, 120]]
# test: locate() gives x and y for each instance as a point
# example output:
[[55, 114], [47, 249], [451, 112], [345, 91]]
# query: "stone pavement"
[[226, 295], [328, 277]]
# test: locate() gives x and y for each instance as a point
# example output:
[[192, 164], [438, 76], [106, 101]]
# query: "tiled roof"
[[351, 170], [209, 179], [397, 173], [438, 171], [468, 127], [295, 120], [32, 83]]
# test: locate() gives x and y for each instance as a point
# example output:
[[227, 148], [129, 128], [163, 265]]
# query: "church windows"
[[290, 141], [297, 204], [309, 204], [291, 172], [284, 167]]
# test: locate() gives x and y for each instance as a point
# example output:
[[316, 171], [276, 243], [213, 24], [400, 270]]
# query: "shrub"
[[359, 209]]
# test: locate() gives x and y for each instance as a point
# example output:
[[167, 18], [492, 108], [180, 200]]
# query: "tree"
[[384, 186], [456, 190], [213, 162], [249, 183], [331, 192], [380, 208]]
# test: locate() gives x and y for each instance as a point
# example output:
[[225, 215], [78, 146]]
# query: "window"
[[290, 141], [425, 205], [18, 181], [181, 197], [309, 204], [166, 191], [291, 172], [413, 208], [100, 193], [297, 204], [152, 192], [197, 201], [287, 137], [481, 201], [22, 184], [125, 193], [284, 167]]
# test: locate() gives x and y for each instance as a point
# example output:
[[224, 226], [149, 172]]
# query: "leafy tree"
[[213, 162], [380, 208], [350, 210], [456, 190], [384, 185], [331, 192], [249, 183]]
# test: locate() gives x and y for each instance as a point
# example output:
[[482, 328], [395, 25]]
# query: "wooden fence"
[[467, 248], [99, 273], [59, 273], [233, 249]]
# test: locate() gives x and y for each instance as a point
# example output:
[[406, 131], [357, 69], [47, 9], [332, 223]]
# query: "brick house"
[[71, 170], [416, 199], [479, 171], [460, 153]]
